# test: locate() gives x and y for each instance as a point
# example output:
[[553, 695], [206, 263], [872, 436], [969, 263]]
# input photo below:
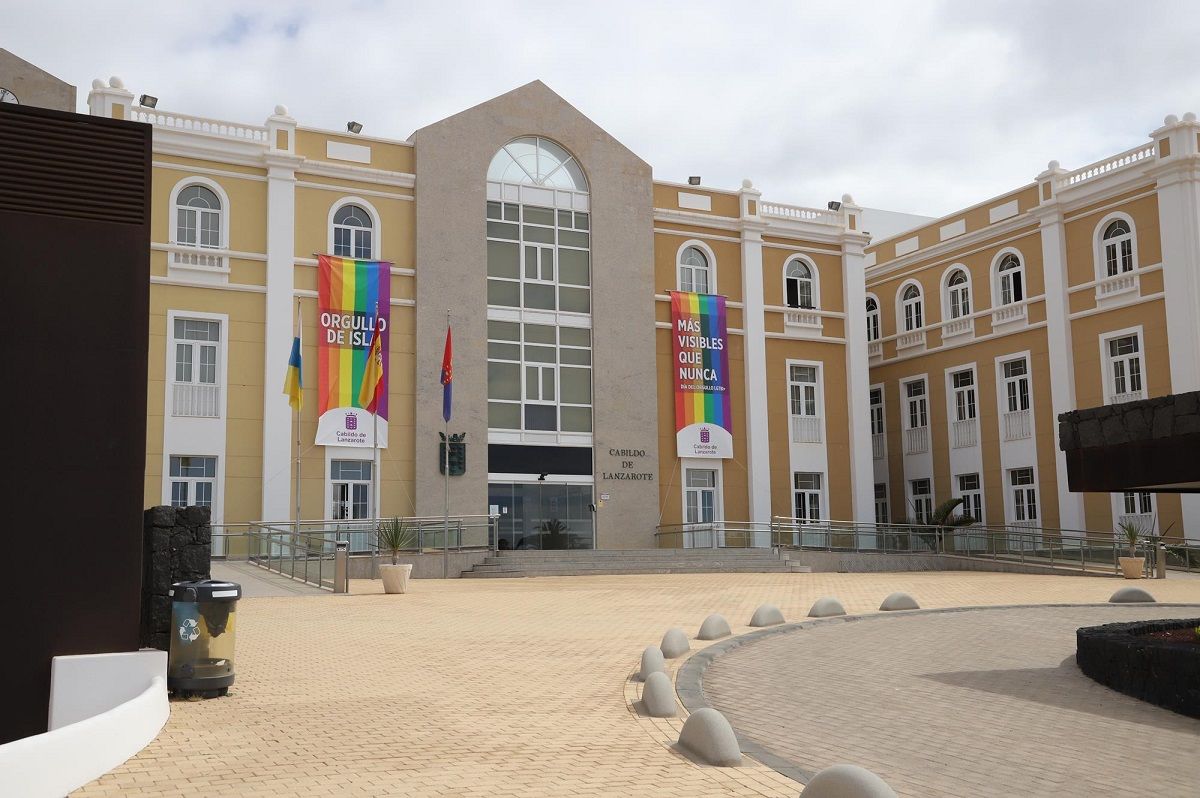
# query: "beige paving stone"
[[498, 687]]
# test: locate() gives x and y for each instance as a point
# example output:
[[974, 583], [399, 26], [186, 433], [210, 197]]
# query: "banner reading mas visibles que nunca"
[[348, 293], [700, 368]]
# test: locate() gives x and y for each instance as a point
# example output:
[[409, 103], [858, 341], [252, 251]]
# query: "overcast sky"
[[922, 107]]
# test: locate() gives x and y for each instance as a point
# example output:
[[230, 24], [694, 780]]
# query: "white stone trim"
[[812, 269], [173, 219], [376, 223], [244, 287], [204, 170], [907, 246], [695, 202], [362, 192], [1007, 210], [952, 230], [1100, 264], [1106, 374], [345, 151], [712, 263]]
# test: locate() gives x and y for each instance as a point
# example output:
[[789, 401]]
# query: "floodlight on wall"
[[694, 180], [148, 101], [354, 127], [834, 205]]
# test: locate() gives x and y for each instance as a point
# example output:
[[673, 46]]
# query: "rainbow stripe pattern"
[[349, 294], [700, 362]]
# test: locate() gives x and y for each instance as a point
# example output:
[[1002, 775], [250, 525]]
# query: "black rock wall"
[[177, 546], [1120, 656]]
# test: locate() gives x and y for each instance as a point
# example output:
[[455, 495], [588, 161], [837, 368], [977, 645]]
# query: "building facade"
[[866, 380]]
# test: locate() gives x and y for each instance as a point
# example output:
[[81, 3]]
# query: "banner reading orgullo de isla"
[[349, 292], [700, 369]]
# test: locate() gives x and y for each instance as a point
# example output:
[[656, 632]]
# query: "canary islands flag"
[[293, 381], [447, 376]]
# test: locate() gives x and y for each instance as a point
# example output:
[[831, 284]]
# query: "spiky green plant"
[[396, 534], [1132, 531]]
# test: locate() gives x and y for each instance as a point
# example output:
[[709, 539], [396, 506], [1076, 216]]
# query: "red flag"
[[447, 376]]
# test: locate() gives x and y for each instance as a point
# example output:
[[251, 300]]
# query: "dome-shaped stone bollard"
[[826, 607], [767, 615], [714, 628], [708, 736], [658, 696], [674, 643], [1131, 595], [847, 781], [652, 662], [899, 601]]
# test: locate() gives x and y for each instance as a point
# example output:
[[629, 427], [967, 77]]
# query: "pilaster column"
[[1058, 334], [278, 437], [858, 374], [758, 445]]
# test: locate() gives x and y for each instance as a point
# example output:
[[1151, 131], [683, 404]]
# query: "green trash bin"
[[203, 628]]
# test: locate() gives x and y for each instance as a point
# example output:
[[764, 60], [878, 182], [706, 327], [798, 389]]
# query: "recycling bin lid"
[[206, 590]]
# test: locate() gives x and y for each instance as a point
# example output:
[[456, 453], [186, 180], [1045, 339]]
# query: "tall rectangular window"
[[350, 487], [1125, 368], [921, 492], [964, 394], [192, 480], [1139, 502], [876, 411], [807, 496], [1024, 494], [881, 503], [803, 391], [918, 409], [539, 377], [196, 342], [700, 496], [971, 492], [1016, 385]]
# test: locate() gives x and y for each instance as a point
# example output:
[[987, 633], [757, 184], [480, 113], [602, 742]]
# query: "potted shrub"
[[1133, 565], [396, 534], [554, 534]]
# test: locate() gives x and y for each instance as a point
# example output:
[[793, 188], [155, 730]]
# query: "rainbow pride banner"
[[353, 299], [700, 369]]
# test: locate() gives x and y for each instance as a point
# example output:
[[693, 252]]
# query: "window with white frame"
[[700, 496], [1016, 384], [1118, 248], [694, 271], [192, 480], [538, 258], [1011, 274], [804, 391], [198, 217], [195, 346], [917, 404], [1125, 368], [1024, 495], [876, 406], [539, 377], [1138, 503], [807, 496], [958, 295], [353, 233], [914, 315], [971, 492], [881, 503], [921, 496], [963, 385], [350, 489], [799, 284], [872, 319]]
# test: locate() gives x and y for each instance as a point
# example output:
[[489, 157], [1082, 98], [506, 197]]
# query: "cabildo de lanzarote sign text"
[[700, 369]]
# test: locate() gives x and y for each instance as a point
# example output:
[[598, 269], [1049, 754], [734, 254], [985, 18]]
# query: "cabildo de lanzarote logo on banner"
[[700, 363]]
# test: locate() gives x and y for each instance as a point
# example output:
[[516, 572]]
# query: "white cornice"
[[953, 248], [696, 219], [361, 174]]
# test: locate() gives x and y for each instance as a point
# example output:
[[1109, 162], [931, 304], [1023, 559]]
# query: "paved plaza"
[[521, 687]]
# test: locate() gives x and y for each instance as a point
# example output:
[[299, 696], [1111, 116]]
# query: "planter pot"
[[1132, 567], [395, 577]]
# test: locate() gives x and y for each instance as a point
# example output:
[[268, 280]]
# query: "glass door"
[[700, 507]]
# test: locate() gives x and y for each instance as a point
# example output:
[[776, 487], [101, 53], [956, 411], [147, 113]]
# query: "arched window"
[[959, 295], [694, 271], [1118, 248], [533, 160], [914, 315], [799, 285], [1012, 279], [198, 217], [872, 319], [353, 233]]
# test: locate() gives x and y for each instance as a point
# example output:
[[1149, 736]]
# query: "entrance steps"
[[578, 562]]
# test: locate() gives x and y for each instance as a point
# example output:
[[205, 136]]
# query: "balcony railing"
[[802, 317], [910, 339], [799, 214], [1115, 163], [874, 348], [197, 400], [196, 124], [1017, 425], [1008, 313], [1119, 284], [806, 429], [1128, 396], [878, 445], [964, 433], [197, 257], [916, 440], [955, 327]]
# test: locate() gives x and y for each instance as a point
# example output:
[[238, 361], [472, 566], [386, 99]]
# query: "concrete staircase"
[[510, 564]]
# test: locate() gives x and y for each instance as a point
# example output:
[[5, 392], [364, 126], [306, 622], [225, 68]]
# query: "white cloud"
[[921, 107]]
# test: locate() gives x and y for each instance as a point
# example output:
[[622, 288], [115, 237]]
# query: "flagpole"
[[446, 486], [296, 413], [375, 497]]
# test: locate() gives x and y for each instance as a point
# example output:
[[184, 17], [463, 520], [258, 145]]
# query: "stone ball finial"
[[652, 662], [116, 82], [707, 735], [674, 643], [281, 110], [847, 199], [767, 615], [658, 696], [1171, 119], [714, 628], [1053, 165], [98, 84], [847, 781], [1190, 116], [826, 608], [1131, 595], [746, 183]]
